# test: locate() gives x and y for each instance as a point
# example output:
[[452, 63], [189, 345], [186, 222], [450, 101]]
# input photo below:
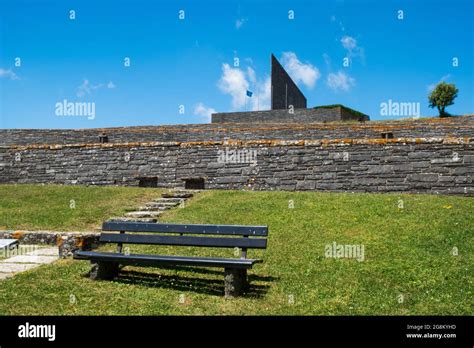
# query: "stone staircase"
[[152, 210]]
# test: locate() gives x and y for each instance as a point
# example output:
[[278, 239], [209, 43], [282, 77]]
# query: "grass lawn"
[[66, 208], [408, 267]]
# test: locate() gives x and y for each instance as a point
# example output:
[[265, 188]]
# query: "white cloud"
[[9, 74], [327, 60], [203, 111], [240, 22], [86, 87], [340, 81], [350, 45], [261, 99], [432, 86], [300, 72], [83, 89], [252, 76], [234, 83]]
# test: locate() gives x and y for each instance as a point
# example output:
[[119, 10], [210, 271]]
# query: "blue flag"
[[249, 94]]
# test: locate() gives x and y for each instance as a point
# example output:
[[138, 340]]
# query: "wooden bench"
[[106, 265]]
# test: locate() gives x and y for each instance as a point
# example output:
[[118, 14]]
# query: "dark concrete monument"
[[288, 105], [284, 91]]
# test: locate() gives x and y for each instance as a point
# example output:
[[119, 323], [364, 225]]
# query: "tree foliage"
[[442, 96]]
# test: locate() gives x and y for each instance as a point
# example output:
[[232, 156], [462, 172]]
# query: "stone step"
[[151, 210], [177, 194], [45, 252], [163, 202], [185, 191], [169, 200], [143, 214], [154, 208], [131, 219]]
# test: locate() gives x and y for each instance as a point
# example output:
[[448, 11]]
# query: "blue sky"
[[190, 62]]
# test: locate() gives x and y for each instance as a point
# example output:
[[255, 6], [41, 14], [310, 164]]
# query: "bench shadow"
[[209, 271], [214, 287]]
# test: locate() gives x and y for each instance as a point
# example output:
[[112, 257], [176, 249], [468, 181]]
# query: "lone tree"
[[442, 96]]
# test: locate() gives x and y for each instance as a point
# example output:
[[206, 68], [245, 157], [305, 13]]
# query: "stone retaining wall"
[[431, 165], [436, 127]]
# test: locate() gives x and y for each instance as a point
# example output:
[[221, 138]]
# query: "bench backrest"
[[186, 235]]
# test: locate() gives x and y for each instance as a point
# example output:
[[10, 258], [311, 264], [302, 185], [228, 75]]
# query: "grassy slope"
[[406, 252], [35, 207]]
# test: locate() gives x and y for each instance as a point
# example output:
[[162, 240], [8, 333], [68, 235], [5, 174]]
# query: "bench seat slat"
[[216, 242], [260, 231], [154, 260]]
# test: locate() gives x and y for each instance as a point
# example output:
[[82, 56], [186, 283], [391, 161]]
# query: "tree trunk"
[[441, 111]]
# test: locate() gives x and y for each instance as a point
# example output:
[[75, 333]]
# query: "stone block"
[[400, 168], [444, 178], [305, 185], [272, 181], [468, 159], [368, 181], [45, 252], [380, 169], [421, 155], [394, 159], [329, 186], [143, 214], [329, 176], [441, 160], [360, 157], [393, 188], [235, 281], [32, 259], [464, 171], [420, 164], [104, 270], [230, 180], [359, 168], [463, 180], [423, 177]]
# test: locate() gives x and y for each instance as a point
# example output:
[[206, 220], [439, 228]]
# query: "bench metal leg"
[[104, 270], [235, 281]]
